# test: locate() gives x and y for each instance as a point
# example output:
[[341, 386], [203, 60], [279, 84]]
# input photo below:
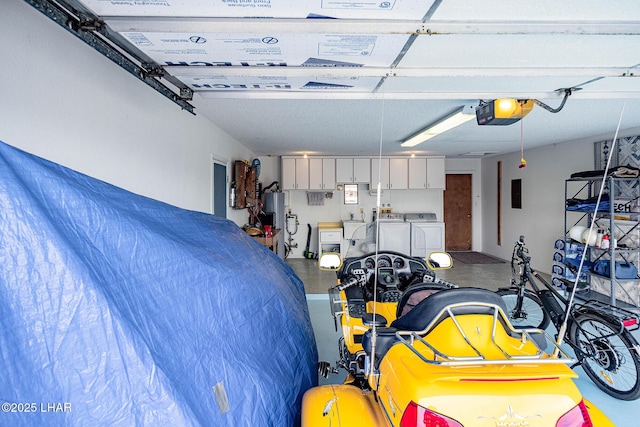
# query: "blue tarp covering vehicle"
[[119, 310]]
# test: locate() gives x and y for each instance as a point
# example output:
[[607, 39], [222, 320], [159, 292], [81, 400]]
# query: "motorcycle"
[[420, 351]]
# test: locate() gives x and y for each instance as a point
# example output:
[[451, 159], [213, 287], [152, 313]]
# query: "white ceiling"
[[396, 67]]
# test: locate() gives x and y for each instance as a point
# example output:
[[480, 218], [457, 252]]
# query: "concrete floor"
[[489, 276]]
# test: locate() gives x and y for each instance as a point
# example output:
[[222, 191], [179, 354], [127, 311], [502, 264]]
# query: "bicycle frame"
[[551, 299], [547, 296]]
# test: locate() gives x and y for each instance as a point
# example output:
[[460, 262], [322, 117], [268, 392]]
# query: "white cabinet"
[[322, 174], [426, 173], [288, 174], [295, 173], [315, 174], [344, 170], [302, 174], [329, 240], [379, 173], [350, 170], [417, 174], [398, 174], [361, 170], [436, 177], [329, 174], [393, 173]]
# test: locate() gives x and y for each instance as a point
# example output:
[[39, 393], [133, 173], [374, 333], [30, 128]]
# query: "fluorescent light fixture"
[[446, 123]]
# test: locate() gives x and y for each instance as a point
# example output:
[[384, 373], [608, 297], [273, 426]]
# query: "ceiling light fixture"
[[458, 117]]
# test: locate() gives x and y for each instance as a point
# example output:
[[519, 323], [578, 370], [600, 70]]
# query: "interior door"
[[219, 190], [457, 212]]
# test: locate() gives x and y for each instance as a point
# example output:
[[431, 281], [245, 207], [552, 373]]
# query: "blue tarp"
[[119, 310]]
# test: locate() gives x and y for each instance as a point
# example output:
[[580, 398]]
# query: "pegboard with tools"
[[244, 185]]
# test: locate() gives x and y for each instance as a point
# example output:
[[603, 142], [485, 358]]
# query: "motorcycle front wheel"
[[610, 359], [530, 315]]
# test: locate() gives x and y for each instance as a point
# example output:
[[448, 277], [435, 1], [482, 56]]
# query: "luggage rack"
[[628, 319], [531, 338]]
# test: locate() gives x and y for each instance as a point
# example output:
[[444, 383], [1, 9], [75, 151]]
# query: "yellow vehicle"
[[421, 352]]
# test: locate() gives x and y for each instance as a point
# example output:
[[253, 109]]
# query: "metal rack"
[[513, 346], [628, 319], [621, 217]]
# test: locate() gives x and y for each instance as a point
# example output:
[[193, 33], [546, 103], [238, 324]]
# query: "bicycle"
[[598, 333]]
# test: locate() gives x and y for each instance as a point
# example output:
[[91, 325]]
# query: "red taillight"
[[417, 416], [629, 322], [577, 417]]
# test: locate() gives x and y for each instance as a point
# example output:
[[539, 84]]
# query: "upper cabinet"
[[436, 177], [295, 173], [314, 173], [322, 174], [353, 170], [392, 173], [379, 173], [361, 170], [417, 174], [329, 174], [427, 173], [398, 174]]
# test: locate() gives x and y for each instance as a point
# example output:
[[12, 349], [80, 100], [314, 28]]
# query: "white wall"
[[335, 210], [63, 101], [541, 219]]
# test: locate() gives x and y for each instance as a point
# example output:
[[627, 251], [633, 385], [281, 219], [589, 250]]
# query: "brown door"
[[457, 212]]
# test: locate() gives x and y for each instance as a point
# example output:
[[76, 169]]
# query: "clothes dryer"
[[427, 234]]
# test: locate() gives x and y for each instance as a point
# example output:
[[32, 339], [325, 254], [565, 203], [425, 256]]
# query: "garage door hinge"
[[186, 93], [153, 70], [88, 24]]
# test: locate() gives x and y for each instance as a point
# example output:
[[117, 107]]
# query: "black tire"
[[531, 316], [611, 360]]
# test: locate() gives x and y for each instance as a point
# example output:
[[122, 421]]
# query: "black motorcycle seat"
[[418, 318], [414, 294]]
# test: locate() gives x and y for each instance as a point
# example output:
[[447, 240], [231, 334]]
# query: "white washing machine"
[[427, 234], [394, 233]]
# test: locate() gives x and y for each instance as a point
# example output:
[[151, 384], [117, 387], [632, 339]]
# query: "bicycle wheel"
[[610, 360], [531, 315]]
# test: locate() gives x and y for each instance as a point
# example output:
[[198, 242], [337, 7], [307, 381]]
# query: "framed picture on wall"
[[351, 194]]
